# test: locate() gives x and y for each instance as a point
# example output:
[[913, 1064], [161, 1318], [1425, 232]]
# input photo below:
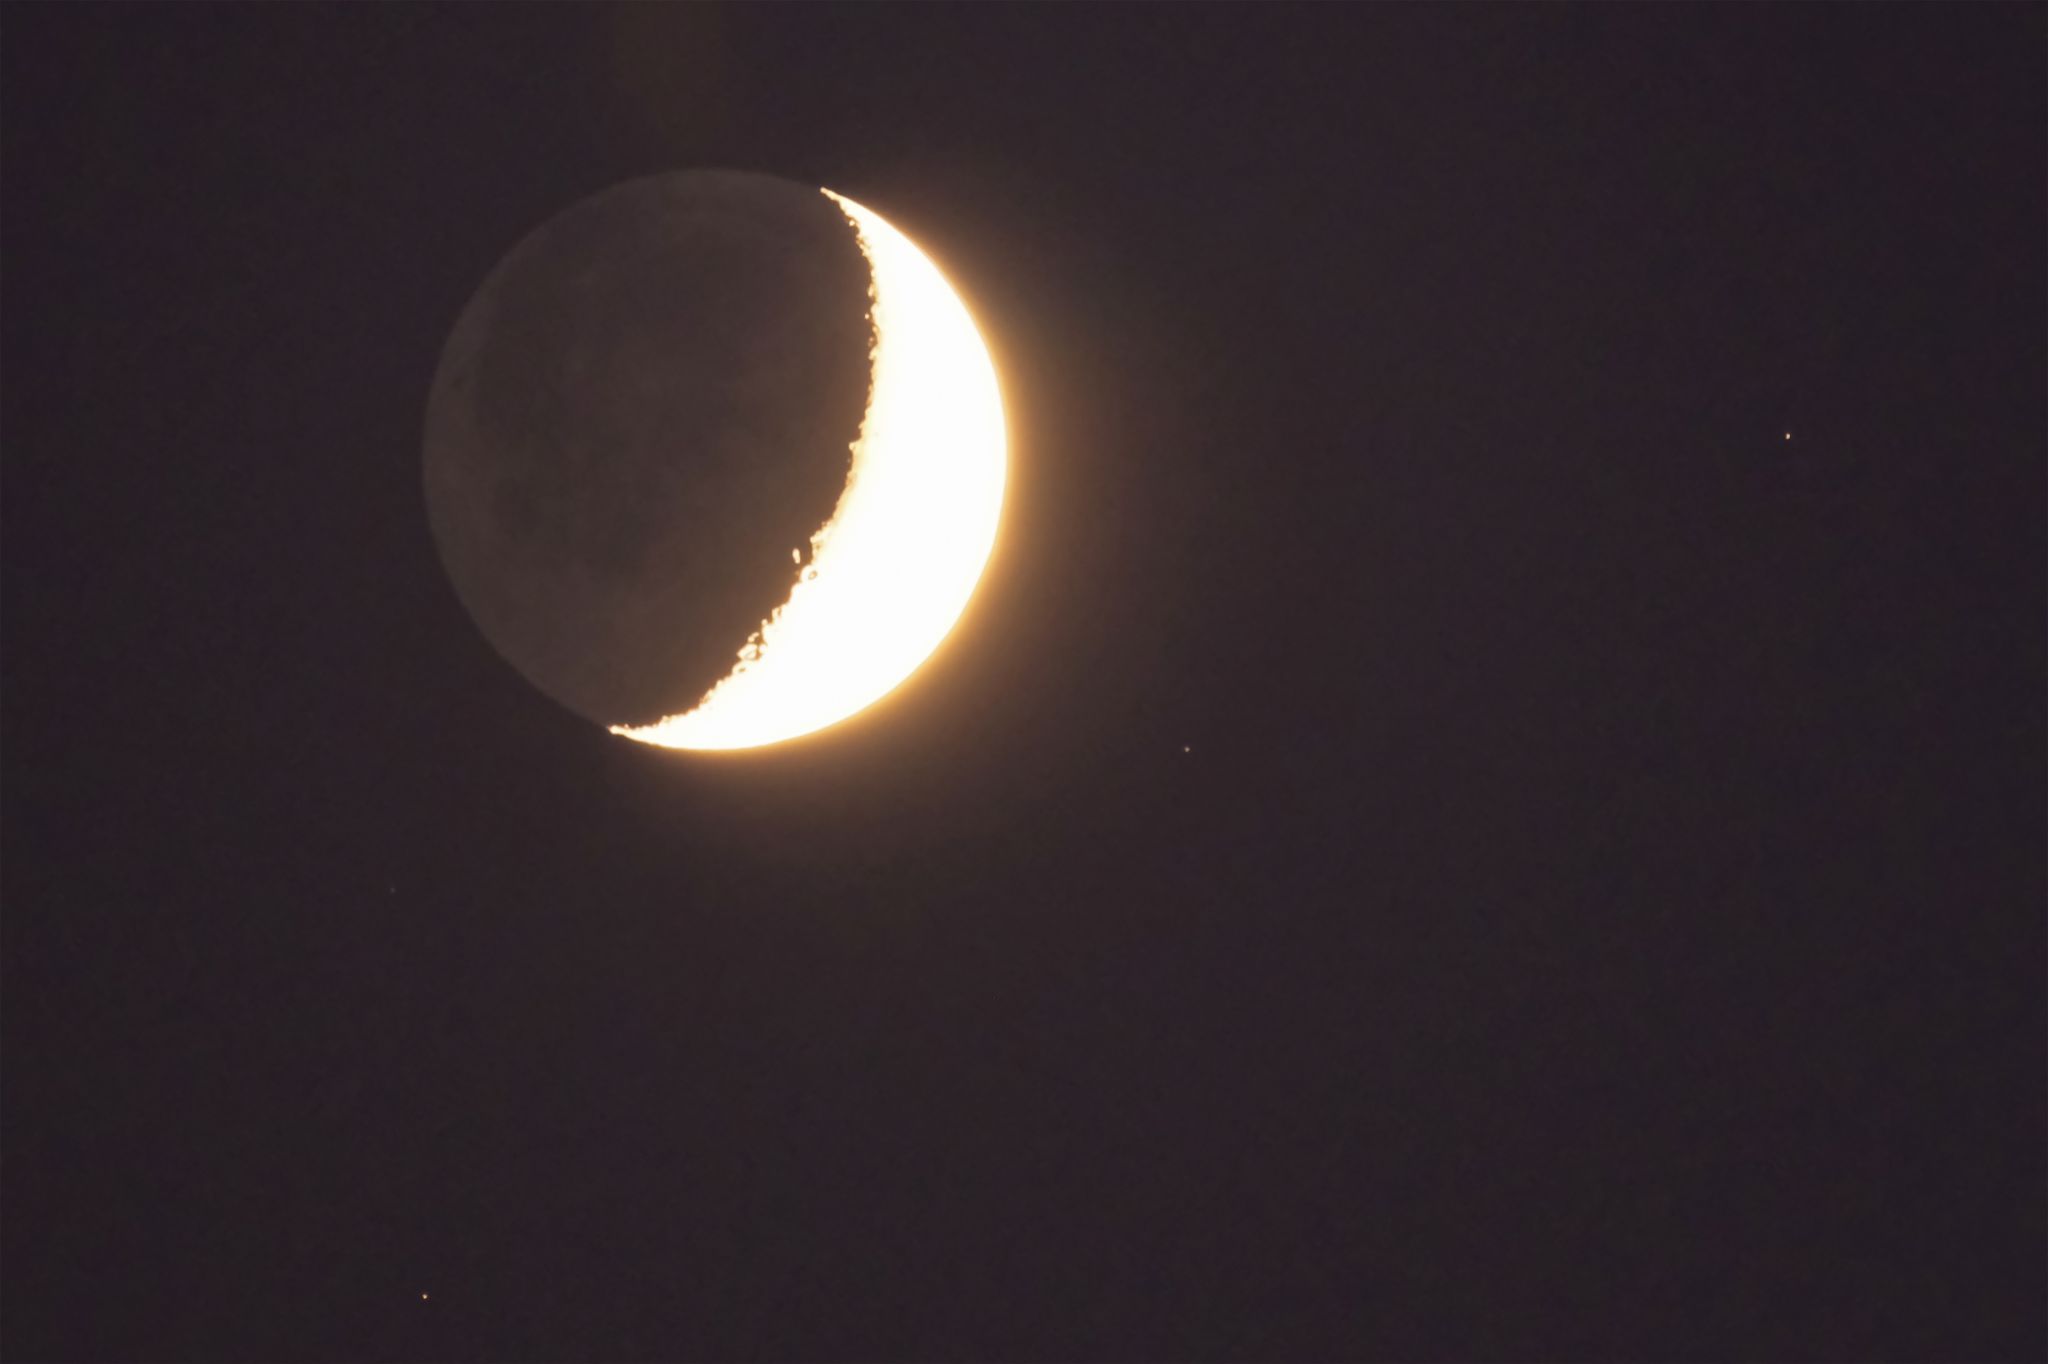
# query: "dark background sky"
[[1601, 915]]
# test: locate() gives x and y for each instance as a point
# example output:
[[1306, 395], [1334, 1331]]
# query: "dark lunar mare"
[[647, 405]]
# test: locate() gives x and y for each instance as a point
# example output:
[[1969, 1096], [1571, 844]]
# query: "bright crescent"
[[893, 568]]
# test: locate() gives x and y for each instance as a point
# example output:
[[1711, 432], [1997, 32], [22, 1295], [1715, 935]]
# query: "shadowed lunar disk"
[[648, 406], [635, 420], [715, 460]]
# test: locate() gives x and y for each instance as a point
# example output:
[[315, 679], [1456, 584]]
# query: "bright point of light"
[[894, 567]]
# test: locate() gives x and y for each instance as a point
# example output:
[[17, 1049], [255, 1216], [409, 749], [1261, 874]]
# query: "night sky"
[[1490, 804]]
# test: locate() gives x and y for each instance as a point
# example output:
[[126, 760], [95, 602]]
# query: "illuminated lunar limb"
[[893, 568]]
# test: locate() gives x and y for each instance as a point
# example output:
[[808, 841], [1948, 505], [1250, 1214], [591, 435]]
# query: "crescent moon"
[[891, 570]]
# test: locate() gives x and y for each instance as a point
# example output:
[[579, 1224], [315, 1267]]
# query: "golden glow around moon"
[[894, 567]]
